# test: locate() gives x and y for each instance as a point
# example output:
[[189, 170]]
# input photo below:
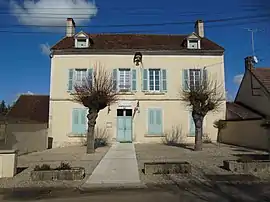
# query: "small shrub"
[[42, 167], [206, 139], [64, 166], [174, 137]]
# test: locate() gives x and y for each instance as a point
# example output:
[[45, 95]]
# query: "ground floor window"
[[155, 122]]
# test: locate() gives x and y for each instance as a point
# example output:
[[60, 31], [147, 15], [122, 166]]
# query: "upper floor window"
[[125, 79], [154, 79], [194, 78], [80, 76]]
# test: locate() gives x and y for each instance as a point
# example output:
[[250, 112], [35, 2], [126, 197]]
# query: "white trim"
[[145, 56]]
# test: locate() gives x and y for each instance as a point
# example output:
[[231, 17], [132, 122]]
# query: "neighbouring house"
[[26, 124], [149, 102], [250, 108]]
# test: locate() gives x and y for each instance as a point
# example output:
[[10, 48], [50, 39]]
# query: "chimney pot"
[[249, 62], [70, 27], [199, 28]]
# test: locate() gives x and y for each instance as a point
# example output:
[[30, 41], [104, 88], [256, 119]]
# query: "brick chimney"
[[70, 27], [199, 28], [249, 62]]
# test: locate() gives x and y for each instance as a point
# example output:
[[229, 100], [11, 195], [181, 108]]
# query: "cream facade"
[[148, 72], [173, 111]]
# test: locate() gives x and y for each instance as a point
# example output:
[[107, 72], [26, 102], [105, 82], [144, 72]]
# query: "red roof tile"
[[136, 41], [32, 108]]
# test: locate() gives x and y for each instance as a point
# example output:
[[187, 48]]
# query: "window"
[[193, 44], [80, 76], [124, 79], [154, 79], [194, 78], [81, 43]]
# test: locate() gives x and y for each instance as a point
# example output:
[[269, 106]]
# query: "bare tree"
[[95, 93], [202, 98]]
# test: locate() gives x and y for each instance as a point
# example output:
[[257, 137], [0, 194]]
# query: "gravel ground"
[[204, 163], [74, 155]]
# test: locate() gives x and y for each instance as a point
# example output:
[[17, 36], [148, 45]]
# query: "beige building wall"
[[256, 98], [175, 112], [247, 133]]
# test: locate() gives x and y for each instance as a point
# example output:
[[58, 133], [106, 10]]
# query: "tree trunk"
[[92, 117], [198, 120]]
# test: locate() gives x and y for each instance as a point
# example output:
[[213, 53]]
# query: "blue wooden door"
[[124, 126], [79, 122]]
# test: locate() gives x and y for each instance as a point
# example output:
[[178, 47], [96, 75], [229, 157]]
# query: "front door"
[[124, 125]]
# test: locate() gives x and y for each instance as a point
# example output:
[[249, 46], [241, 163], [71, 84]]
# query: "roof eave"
[[131, 51]]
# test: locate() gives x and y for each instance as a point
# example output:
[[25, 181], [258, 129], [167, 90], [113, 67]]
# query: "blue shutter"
[[145, 79], [75, 120], [205, 77], [191, 125], [155, 122], [158, 120], [79, 121], [164, 80], [90, 76], [70, 79], [134, 80], [185, 80], [115, 79]]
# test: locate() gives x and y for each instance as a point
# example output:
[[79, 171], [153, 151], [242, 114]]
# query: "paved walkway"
[[117, 168]]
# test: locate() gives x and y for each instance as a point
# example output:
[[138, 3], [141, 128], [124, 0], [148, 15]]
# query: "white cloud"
[[229, 97], [53, 12], [45, 49], [238, 78]]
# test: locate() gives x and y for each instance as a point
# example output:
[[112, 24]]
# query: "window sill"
[[154, 135], [154, 93], [125, 93], [76, 135]]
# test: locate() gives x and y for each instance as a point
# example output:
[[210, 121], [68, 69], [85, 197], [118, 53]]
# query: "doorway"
[[124, 125]]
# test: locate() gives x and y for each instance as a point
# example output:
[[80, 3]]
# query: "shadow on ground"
[[253, 156]]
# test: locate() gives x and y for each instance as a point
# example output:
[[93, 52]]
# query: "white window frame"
[[75, 81], [159, 70], [192, 41], [193, 71], [127, 72]]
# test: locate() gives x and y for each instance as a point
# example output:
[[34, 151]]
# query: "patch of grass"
[[43, 167], [63, 166]]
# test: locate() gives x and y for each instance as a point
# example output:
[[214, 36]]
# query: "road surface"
[[182, 193]]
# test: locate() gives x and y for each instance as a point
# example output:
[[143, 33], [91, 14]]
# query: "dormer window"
[[193, 44], [81, 40], [81, 43], [193, 41]]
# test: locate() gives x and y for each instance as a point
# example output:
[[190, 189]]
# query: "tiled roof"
[[262, 74], [236, 111], [32, 108], [136, 41]]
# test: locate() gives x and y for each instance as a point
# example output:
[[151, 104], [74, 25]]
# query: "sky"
[[28, 28]]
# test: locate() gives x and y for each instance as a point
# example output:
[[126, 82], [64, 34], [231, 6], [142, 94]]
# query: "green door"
[[124, 125]]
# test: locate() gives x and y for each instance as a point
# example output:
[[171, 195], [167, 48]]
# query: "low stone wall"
[[167, 168], [246, 133], [246, 167], [73, 174], [8, 163]]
